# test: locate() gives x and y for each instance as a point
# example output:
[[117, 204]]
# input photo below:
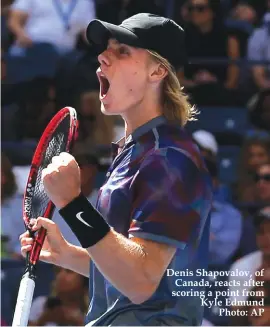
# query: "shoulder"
[[226, 209], [173, 160], [171, 143], [22, 5], [259, 34]]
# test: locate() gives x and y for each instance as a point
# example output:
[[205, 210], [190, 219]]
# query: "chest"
[[116, 195], [57, 10]]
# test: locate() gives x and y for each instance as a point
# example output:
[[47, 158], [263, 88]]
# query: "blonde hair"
[[175, 102]]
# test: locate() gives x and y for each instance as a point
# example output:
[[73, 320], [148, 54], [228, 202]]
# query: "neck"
[[141, 114], [206, 27]]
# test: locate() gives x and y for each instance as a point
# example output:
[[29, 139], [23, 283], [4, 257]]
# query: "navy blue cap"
[[146, 31]]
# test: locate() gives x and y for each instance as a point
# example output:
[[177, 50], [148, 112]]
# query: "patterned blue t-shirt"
[[158, 189]]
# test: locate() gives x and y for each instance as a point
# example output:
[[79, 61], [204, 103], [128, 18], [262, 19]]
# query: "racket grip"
[[24, 301], [37, 246]]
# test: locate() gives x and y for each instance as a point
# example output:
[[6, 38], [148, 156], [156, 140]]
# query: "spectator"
[[255, 151], [46, 34], [209, 149], [259, 49], [225, 228], [11, 210], [66, 306], [89, 166], [207, 143], [45, 39], [244, 12], [250, 11], [5, 34], [97, 131], [206, 38], [181, 12], [259, 113], [262, 178], [56, 22], [264, 318], [255, 261], [222, 207], [115, 11]]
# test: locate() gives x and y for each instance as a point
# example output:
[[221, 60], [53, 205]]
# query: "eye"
[[124, 50]]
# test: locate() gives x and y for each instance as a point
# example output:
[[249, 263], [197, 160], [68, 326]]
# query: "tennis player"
[[149, 231]]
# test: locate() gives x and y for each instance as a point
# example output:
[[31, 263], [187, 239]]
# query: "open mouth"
[[104, 85]]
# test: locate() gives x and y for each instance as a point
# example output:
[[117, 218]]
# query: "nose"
[[104, 59]]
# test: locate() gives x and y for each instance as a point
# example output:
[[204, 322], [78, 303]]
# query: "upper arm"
[[256, 46], [233, 47], [19, 12], [256, 52], [18, 16], [20, 9]]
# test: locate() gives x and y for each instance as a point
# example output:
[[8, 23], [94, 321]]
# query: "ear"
[[157, 72]]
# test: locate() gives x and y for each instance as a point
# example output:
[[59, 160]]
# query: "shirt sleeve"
[[225, 231], [170, 197], [256, 45], [22, 5]]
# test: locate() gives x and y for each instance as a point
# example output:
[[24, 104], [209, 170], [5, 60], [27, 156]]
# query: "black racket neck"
[[30, 268]]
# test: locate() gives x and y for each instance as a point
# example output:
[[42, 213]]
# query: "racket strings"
[[56, 145]]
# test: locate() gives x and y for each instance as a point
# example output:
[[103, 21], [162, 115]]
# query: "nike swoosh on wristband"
[[79, 217]]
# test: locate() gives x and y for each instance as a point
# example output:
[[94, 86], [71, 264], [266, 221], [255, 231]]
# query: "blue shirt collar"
[[141, 130]]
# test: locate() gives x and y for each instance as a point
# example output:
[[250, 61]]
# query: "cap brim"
[[98, 34]]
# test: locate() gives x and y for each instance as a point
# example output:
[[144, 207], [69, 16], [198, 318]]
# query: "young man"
[[151, 222]]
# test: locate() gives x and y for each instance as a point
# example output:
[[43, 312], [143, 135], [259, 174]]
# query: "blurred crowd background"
[[46, 64]]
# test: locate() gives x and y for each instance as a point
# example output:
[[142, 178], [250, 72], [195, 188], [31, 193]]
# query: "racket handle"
[[24, 301], [37, 246]]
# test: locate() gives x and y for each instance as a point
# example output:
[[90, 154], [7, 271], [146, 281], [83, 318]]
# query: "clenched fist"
[[61, 179]]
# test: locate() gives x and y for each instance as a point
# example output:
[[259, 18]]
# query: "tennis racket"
[[58, 137]]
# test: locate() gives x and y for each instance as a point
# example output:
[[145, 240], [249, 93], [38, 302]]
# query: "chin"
[[105, 109], [109, 110]]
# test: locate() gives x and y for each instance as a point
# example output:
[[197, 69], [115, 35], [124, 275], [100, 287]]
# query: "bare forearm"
[[260, 77], [77, 259], [15, 27], [122, 262], [233, 76], [16, 22], [127, 266]]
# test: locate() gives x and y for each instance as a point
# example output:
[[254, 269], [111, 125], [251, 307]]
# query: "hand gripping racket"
[[58, 137]]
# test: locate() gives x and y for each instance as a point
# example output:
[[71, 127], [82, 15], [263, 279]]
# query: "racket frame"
[[43, 143], [27, 284]]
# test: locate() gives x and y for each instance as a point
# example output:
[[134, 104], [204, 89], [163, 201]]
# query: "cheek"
[[134, 83]]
